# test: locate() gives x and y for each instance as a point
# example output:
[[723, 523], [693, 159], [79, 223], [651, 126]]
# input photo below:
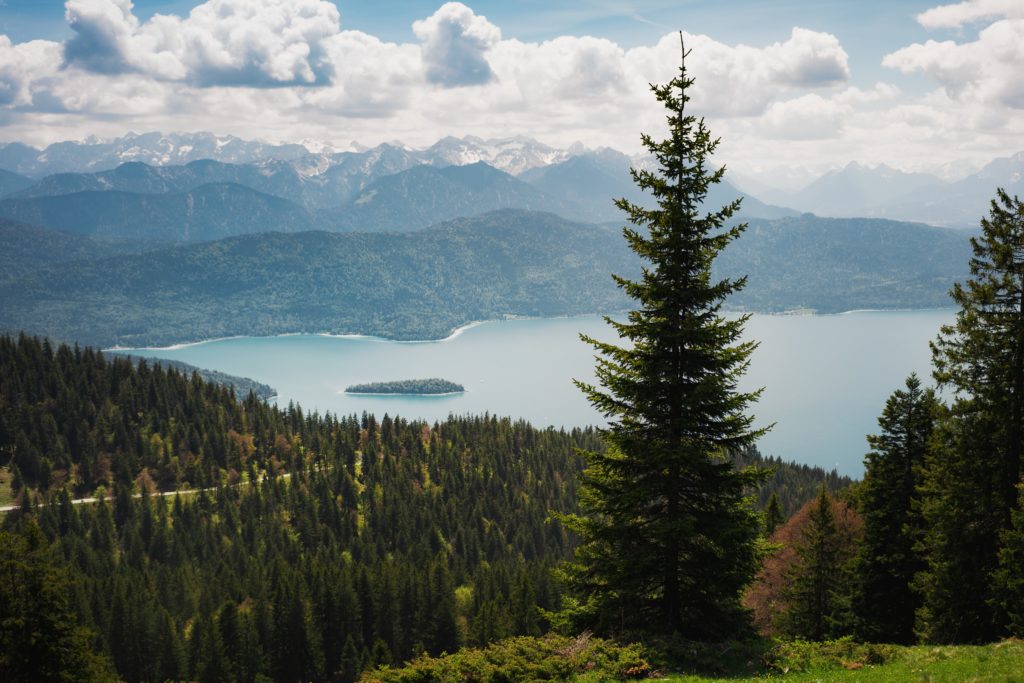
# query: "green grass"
[[1002, 662], [592, 660]]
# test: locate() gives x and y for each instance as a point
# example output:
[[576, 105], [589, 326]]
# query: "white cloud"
[[22, 65], [286, 70], [969, 11], [809, 117], [221, 42], [987, 70], [742, 80], [455, 45]]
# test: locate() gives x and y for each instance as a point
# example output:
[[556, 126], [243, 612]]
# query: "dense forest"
[[319, 546]]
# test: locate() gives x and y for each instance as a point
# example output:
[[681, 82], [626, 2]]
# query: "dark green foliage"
[[667, 534], [889, 557], [792, 484], [773, 515], [817, 592], [1009, 578], [433, 385], [74, 418], [423, 537], [41, 637], [241, 386], [969, 493]]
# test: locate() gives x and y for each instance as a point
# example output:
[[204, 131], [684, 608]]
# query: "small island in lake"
[[420, 387]]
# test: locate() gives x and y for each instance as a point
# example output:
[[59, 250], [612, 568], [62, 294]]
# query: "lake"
[[826, 377]]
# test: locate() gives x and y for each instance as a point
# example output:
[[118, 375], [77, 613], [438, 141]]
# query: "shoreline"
[[458, 331]]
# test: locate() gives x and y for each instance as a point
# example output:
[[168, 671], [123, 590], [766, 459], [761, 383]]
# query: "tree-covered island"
[[420, 387]]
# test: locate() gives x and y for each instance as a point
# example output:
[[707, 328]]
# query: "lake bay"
[[826, 378]]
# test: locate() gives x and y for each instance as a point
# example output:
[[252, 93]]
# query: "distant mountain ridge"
[[208, 212], [883, 192], [513, 154]]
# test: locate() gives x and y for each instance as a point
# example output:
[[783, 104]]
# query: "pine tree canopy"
[[969, 493], [667, 535], [981, 355]]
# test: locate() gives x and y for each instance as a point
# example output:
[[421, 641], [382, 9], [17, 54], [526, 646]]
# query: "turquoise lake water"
[[826, 378]]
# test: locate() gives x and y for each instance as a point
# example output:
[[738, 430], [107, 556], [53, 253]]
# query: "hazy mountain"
[[423, 284], [30, 247], [592, 182], [424, 195], [960, 204], [414, 285], [857, 190], [12, 182], [208, 212], [155, 149]]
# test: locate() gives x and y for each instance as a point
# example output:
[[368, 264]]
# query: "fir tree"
[[970, 487], [773, 515], [668, 539], [1009, 578], [817, 592], [886, 602]]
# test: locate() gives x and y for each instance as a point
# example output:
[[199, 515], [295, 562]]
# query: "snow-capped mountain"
[[155, 149], [513, 155]]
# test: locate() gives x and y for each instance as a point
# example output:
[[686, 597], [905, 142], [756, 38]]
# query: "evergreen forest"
[[229, 539]]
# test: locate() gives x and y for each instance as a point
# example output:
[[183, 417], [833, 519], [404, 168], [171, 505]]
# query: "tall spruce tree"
[[668, 537], [886, 603], [970, 489]]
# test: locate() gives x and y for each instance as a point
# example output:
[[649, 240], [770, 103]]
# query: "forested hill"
[[831, 265], [208, 212], [240, 385], [325, 545], [29, 247], [409, 286], [424, 284]]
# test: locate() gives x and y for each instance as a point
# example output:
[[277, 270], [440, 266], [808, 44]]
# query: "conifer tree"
[[773, 515], [969, 493], [1009, 578], [668, 538], [817, 591], [886, 602]]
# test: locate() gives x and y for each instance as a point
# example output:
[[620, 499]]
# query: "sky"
[[789, 85]]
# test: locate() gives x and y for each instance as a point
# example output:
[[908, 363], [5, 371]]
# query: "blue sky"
[[794, 82]]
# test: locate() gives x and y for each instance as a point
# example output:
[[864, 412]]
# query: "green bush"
[[550, 658]]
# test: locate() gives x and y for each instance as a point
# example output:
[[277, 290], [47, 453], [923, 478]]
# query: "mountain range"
[[208, 199], [579, 183], [884, 192]]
